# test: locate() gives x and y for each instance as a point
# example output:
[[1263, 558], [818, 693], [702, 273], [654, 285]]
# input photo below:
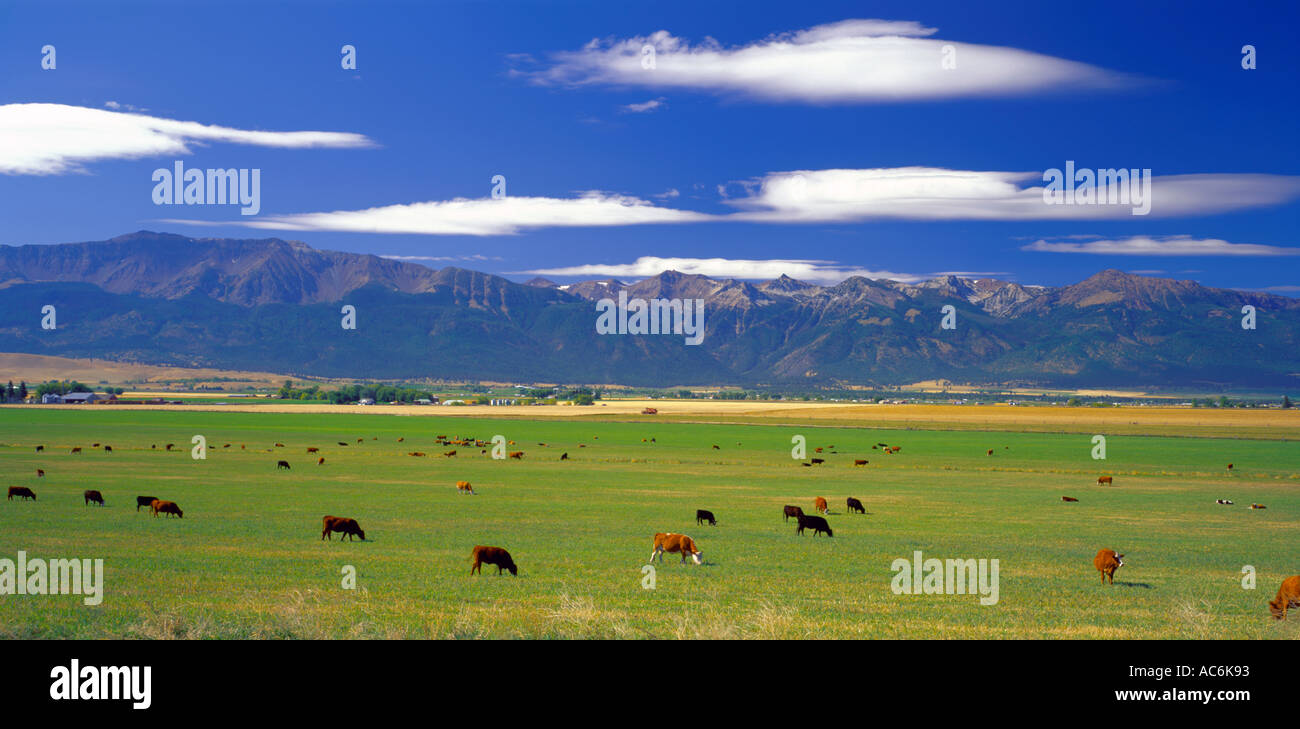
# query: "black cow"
[[816, 523], [817, 461], [702, 515], [855, 505], [282, 464], [144, 501], [792, 511]]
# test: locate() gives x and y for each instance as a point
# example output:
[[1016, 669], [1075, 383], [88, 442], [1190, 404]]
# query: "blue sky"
[[694, 160]]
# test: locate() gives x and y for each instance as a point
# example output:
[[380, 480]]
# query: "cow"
[[77, 449], [157, 506], [399, 440], [806, 464], [169, 446], [360, 439], [990, 451], [1258, 506], [94, 445], [108, 449], [790, 511], [349, 527], [676, 543], [1106, 562], [1068, 498], [417, 454], [898, 448], [703, 515], [93, 495], [517, 455], [1229, 466], [40, 473], [279, 445], [816, 523], [495, 556], [345, 445], [817, 449], [860, 462], [1105, 480], [715, 447], [464, 487], [144, 501], [226, 445], [22, 492], [817, 461], [855, 505], [321, 462], [819, 504], [564, 456], [40, 448], [449, 454], [1225, 502], [313, 450], [282, 465], [1288, 596]]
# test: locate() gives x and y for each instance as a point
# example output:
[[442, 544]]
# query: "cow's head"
[[1119, 558], [361, 533], [1275, 607], [697, 557], [513, 569]]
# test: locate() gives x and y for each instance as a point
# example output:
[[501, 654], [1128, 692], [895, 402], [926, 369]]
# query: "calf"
[[22, 492], [165, 507], [676, 543], [144, 501], [1288, 596], [816, 523], [282, 465], [794, 511], [855, 505], [1105, 480], [860, 462], [703, 515], [1106, 563], [463, 487], [819, 504], [1068, 498], [349, 527], [492, 555], [93, 495]]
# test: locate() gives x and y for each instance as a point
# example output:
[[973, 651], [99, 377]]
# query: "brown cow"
[[77, 449], [1105, 480], [990, 451], [676, 543], [1288, 596], [22, 492], [93, 495], [351, 530], [321, 462], [313, 450], [860, 462], [790, 511], [463, 487], [517, 455], [1068, 498], [169, 446], [1106, 562], [715, 447], [399, 440], [492, 555], [40, 473], [279, 445], [417, 454], [1258, 506], [819, 504], [158, 506], [1229, 466], [450, 454], [818, 449], [855, 505]]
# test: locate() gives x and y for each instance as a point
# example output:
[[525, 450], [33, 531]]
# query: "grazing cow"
[[463, 487], [492, 555], [313, 450], [108, 449], [1288, 596], [874, 447], [676, 543], [321, 462], [817, 449], [360, 439], [1105, 480], [22, 492], [417, 454], [990, 451], [93, 495], [450, 454], [399, 440], [158, 506], [40, 448], [790, 511], [809, 465], [1106, 563], [169, 446], [279, 445], [94, 445], [1225, 502], [716, 448], [703, 515], [144, 501], [564, 456], [1068, 498], [1229, 466], [898, 448], [860, 462], [817, 461], [819, 504], [282, 464], [855, 505], [816, 523], [349, 527], [1258, 506], [40, 473], [517, 455], [226, 445], [345, 445], [77, 449]]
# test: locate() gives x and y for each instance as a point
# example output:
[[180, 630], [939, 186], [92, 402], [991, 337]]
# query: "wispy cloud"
[[643, 107], [812, 271], [1171, 245], [55, 139], [851, 61]]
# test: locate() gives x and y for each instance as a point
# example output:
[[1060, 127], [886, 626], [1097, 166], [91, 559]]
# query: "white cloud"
[[851, 61], [1171, 245], [812, 271], [644, 106], [482, 216], [54, 139], [930, 193]]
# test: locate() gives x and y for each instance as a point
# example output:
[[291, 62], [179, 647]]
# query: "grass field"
[[247, 560]]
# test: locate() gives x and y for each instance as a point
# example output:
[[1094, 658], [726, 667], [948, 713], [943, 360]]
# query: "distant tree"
[[1286, 402], [1073, 402], [22, 391]]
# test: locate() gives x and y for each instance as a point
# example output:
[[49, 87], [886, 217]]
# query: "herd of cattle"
[[1107, 561]]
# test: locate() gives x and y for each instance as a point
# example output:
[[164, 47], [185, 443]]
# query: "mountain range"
[[275, 305]]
